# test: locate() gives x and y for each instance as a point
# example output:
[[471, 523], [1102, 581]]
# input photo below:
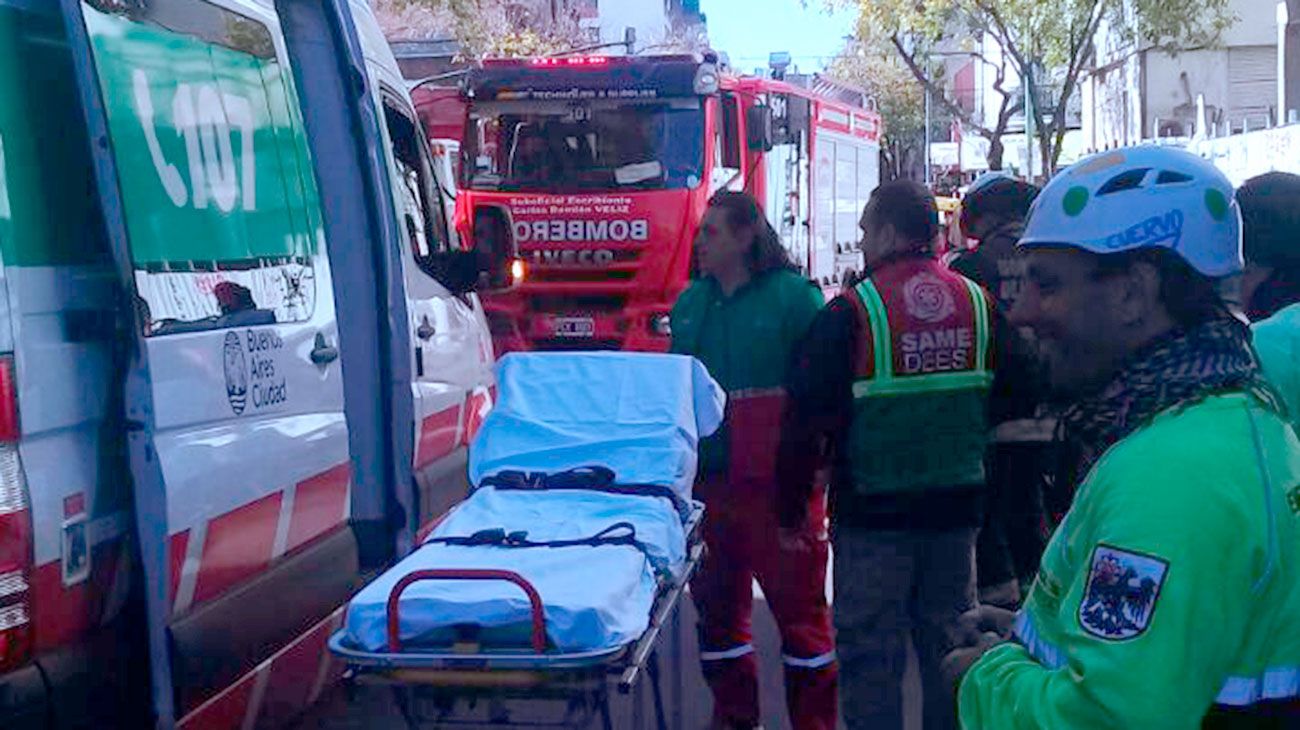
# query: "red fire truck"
[[607, 164]]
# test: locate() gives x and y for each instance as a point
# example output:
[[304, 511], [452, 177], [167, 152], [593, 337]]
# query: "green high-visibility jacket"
[[1172, 586], [1277, 340]]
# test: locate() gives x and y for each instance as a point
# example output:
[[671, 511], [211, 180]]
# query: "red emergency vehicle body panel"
[[605, 266], [602, 266], [829, 118], [841, 119], [441, 110]]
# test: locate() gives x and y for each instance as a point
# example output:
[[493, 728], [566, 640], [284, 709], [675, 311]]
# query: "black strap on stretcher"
[[589, 478], [619, 533]]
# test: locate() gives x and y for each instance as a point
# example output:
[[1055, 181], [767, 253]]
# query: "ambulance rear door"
[[240, 449]]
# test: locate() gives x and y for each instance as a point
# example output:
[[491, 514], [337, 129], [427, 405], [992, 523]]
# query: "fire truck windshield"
[[592, 145]]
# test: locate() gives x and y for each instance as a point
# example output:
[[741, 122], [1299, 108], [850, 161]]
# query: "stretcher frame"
[[470, 673]]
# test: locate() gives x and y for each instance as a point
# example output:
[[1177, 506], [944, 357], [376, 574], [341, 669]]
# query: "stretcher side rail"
[[482, 659], [664, 606], [534, 599]]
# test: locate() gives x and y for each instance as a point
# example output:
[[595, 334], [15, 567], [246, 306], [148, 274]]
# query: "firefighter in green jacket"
[[1170, 595], [741, 317]]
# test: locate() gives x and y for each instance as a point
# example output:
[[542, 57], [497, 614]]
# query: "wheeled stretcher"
[[560, 569]]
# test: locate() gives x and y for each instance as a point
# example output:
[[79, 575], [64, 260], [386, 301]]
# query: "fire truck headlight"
[[661, 325]]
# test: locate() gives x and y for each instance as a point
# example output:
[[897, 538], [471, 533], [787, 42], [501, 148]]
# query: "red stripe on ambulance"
[[477, 405], [293, 675], [319, 505], [438, 434], [178, 544], [238, 546], [65, 613], [223, 712], [289, 681]]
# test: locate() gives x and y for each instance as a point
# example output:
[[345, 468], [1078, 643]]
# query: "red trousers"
[[744, 544]]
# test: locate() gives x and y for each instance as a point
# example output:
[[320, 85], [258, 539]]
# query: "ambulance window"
[[220, 199], [730, 132], [422, 215], [200, 20]]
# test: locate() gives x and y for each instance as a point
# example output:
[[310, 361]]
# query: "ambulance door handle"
[[425, 331], [323, 353]]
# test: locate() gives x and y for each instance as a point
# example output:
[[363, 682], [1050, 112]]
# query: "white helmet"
[[1142, 197]]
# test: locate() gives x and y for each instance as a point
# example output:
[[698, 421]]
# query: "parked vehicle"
[[607, 164], [201, 458]]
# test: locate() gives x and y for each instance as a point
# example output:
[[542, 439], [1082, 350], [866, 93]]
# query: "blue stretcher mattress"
[[639, 416], [596, 597]]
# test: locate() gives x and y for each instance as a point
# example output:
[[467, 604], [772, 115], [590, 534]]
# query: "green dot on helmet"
[[1217, 203], [1075, 200]]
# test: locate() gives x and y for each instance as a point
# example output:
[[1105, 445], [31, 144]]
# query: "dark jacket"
[[816, 428], [1020, 387]]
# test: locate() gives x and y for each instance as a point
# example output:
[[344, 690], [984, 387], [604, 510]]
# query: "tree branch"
[[1052, 137], [934, 90], [1003, 34]]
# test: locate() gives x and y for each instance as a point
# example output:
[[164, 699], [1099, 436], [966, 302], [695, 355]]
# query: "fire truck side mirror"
[[758, 127], [497, 251]]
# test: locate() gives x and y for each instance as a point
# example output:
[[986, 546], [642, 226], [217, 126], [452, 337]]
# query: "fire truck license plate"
[[575, 327]]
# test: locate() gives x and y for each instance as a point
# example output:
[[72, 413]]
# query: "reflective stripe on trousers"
[[816, 662], [734, 652]]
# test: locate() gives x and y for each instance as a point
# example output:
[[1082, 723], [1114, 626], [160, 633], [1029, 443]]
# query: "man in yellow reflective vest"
[[894, 377]]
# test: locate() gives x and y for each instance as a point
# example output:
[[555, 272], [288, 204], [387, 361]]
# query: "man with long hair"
[[742, 317]]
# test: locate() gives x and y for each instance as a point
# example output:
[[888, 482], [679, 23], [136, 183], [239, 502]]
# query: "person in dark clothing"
[[893, 378], [1014, 532], [1270, 286], [1270, 216], [993, 213]]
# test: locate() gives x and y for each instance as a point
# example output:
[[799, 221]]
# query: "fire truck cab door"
[[240, 455]]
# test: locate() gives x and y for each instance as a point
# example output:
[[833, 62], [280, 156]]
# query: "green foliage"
[[484, 28], [1052, 40], [899, 99]]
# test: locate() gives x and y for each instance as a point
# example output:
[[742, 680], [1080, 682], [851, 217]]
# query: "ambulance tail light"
[[15, 562], [15, 532], [8, 401]]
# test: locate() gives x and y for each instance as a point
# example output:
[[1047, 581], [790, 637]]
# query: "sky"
[[748, 30]]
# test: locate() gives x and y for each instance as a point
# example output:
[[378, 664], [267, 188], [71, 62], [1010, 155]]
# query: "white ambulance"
[[241, 352]]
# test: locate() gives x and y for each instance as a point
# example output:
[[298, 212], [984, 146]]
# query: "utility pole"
[[928, 178], [1029, 122]]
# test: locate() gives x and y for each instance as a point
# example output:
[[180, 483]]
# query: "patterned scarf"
[[1177, 370]]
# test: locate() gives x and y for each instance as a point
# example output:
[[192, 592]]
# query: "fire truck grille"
[[578, 304], [573, 275], [570, 345]]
